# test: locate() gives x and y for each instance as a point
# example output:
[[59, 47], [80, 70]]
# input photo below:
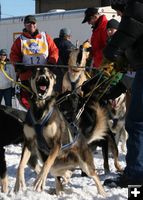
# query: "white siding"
[[51, 22]]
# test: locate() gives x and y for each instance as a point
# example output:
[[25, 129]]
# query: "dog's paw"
[[102, 192], [19, 185], [4, 184], [52, 191], [20, 181], [39, 184], [66, 177], [119, 168]]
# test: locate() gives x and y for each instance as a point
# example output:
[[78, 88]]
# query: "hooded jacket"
[[128, 40], [98, 40]]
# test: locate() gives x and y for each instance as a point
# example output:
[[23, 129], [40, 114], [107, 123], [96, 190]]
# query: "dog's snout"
[[42, 77]]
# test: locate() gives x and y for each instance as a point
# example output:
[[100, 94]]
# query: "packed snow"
[[80, 188]]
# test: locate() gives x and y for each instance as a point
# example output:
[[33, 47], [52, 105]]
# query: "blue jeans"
[[7, 95], [134, 127]]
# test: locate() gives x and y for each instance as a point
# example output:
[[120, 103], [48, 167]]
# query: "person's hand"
[[119, 65], [107, 66]]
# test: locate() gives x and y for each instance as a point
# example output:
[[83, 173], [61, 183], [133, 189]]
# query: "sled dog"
[[117, 111], [76, 74], [47, 133]]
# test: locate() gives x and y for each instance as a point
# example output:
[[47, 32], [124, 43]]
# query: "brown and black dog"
[[76, 74], [46, 132], [117, 112], [79, 113], [70, 107]]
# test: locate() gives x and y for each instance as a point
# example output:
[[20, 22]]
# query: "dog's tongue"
[[43, 87]]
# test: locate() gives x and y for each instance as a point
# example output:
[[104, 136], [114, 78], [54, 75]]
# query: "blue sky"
[[12, 8]]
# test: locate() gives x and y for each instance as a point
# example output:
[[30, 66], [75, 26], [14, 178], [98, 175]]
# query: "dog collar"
[[73, 84]]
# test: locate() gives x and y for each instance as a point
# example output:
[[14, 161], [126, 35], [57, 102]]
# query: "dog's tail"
[[100, 128]]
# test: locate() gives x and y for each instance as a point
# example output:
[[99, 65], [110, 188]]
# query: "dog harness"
[[73, 84], [38, 126]]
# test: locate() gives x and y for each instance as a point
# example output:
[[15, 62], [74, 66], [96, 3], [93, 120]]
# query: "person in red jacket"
[[99, 34], [32, 47]]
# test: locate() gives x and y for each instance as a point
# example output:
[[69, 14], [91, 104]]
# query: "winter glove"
[[117, 77], [121, 65], [107, 66]]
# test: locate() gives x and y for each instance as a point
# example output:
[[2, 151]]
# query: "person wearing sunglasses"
[[32, 47]]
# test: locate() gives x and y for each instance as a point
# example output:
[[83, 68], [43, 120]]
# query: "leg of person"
[[128, 81], [133, 173], [134, 127], [8, 96], [1, 95], [128, 99]]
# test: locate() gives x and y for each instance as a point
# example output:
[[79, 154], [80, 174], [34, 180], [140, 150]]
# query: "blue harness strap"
[[38, 126]]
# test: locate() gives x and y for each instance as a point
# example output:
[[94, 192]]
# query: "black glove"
[[121, 65]]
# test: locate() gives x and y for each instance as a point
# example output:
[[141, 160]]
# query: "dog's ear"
[[89, 49], [54, 76]]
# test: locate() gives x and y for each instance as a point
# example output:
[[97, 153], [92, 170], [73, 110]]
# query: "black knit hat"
[[89, 13], [3, 52], [112, 23], [119, 4], [29, 18]]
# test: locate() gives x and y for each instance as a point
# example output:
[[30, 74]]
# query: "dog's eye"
[[45, 69]]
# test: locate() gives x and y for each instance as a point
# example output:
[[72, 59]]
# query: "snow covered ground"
[[79, 188]]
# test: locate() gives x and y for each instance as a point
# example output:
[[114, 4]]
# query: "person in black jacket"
[[126, 46], [64, 44]]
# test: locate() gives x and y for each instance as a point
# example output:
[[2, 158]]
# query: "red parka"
[[16, 53], [98, 40]]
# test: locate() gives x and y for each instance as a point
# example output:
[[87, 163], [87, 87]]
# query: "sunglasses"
[[2, 54], [29, 23]]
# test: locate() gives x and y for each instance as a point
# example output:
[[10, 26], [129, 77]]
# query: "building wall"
[[10, 28], [46, 5]]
